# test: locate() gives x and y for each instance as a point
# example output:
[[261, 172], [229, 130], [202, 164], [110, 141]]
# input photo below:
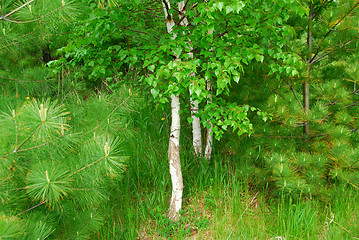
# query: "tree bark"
[[196, 127], [174, 161], [209, 134], [196, 123], [174, 144]]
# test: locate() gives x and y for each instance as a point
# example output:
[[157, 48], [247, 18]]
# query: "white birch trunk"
[[196, 127], [174, 145], [196, 123], [209, 135], [174, 160]]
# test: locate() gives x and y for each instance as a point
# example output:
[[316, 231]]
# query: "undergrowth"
[[221, 200]]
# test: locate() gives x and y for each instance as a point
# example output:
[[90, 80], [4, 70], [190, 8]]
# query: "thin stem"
[[87, 166], [34, 20], [37, 146], [295, 95], [18, 147], [38, 205], [17, 9]]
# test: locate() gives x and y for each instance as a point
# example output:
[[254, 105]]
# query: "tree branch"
[[295, 95], [17, 9], [34, 20], [345, 15]]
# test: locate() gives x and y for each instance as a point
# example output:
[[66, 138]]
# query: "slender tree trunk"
[[174, 160], [306, 94], [209, 135], [196, 127], [196, 123], [174, 144]]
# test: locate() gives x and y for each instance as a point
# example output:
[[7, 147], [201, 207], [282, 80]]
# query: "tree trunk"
[[209, 135], [196, 123], [196, 127], [174, 144], [174, 161]]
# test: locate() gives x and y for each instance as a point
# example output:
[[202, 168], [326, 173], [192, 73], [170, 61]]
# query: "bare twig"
[[87, 166], [38, 205], [295, 95], [17, 9]]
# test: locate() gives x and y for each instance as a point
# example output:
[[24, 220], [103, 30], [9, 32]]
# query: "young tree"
[[174, 138], [222, 36], [323, 158], [206, 55], [52, 177]]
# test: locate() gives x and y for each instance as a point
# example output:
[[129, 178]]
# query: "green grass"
[[220, 202]]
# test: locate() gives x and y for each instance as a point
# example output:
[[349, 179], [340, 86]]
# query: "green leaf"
[[229, 9], [239, 6], [154, 92], [151, 68], [190, 120], [218, 5], [259, 58]]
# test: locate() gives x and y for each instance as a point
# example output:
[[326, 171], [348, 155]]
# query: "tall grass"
[[220, 201]]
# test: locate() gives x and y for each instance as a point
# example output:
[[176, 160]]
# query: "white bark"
[[174, 145], [196, 123], [174, 160], [196, 127], [209, 135]]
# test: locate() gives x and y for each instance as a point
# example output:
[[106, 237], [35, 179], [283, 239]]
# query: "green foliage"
[[65, 166], [48, 167]]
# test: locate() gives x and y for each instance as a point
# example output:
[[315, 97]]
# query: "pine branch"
[[87, 166], [295, 95], [316, 59], [325, 3], [350, 105], [280, 95], [276, 136], [29, 209], [37, 146], [332, 29], [17, 9], [34, 20], [341, 20], [16, 150]]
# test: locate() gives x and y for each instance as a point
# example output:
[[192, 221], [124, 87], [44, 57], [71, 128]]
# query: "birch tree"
[[215, 62], [174, 138], [204, 50]]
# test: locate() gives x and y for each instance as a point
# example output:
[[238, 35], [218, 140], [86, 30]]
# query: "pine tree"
[[321, 157], [56, 168]]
